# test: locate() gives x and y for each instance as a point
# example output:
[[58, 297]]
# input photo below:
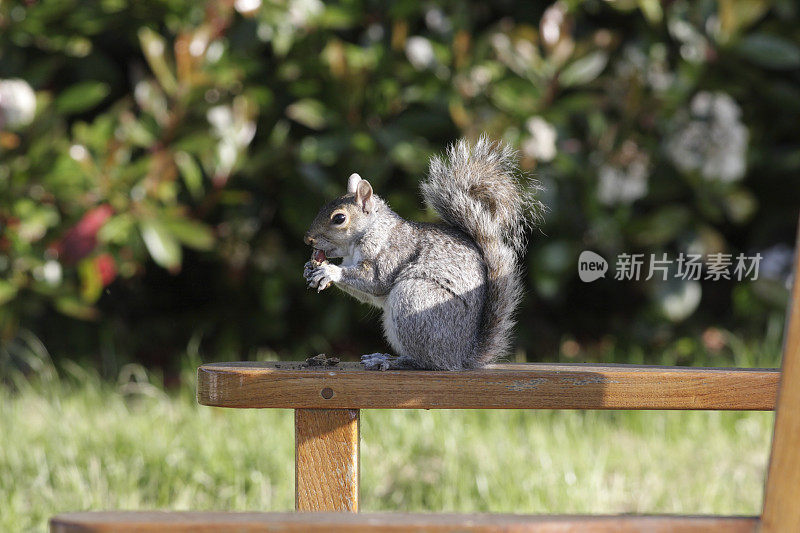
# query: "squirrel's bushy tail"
[[479, 189]]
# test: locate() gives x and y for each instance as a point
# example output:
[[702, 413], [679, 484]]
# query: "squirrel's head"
[[341, 221]]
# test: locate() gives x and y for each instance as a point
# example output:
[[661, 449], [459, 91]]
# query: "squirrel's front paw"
[[320, 275]]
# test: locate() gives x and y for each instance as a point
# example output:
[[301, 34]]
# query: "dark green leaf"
[[191, 173], [584, 70], [81, 96], [308, 112], [192, 233], [770, 51], [7, 291]]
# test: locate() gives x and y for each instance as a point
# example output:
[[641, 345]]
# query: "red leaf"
[[106, 267], [81, 239]]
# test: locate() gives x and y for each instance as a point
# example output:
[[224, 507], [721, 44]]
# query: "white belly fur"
[[390, 330]]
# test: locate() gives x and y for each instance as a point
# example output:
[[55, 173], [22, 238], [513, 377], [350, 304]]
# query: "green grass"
[[78, 443]]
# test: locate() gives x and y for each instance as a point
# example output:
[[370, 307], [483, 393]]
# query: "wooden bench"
[[327, 402]]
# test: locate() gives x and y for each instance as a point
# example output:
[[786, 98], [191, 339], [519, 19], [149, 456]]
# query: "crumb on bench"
[[322, 360]]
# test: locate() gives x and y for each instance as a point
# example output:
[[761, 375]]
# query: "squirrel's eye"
[[338, 219]]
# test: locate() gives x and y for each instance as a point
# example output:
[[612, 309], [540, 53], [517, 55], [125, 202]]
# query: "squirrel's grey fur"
[[448, 291]]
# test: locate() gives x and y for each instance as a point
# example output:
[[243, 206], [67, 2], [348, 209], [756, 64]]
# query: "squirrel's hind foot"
[[385, 361]]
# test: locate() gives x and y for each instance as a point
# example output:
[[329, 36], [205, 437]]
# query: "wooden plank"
[[782, 493], [185, 522], [326, 459], [507, 386]]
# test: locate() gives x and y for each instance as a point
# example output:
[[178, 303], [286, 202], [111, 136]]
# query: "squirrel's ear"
[[364, 196], [352, 183]]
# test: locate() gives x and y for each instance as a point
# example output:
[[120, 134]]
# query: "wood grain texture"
[[185, 522], [326, 459], [782, 493], [508, 386]]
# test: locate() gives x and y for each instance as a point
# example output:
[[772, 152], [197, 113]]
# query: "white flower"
[[78, 152], [245, 132], [302, 11], [694, 47], [215, 51], [711, 139], [232, 126], [678, 300], [17, 103], [227, 153], [221, 118], [199, 42], [52, 272], [620, 187], [234, 131], [247, 7], [436, 20], [552, 23], [624, 184], [541, 145], [419, 51]]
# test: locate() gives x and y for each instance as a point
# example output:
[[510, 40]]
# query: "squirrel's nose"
[[308, 240]]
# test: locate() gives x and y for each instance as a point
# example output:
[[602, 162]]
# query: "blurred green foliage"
[[156, 192]]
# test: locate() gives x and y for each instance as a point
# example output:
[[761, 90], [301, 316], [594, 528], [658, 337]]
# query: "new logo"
[[591, 266]]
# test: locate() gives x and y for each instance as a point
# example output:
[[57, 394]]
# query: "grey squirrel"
[[448, 291]]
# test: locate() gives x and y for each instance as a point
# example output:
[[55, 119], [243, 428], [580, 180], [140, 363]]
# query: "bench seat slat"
[[508, 386], [184, 522]]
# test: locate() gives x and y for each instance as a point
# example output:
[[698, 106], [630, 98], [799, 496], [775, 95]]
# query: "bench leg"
[[326, 459]]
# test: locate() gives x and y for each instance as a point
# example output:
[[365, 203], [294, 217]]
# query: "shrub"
[[159, 185]]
